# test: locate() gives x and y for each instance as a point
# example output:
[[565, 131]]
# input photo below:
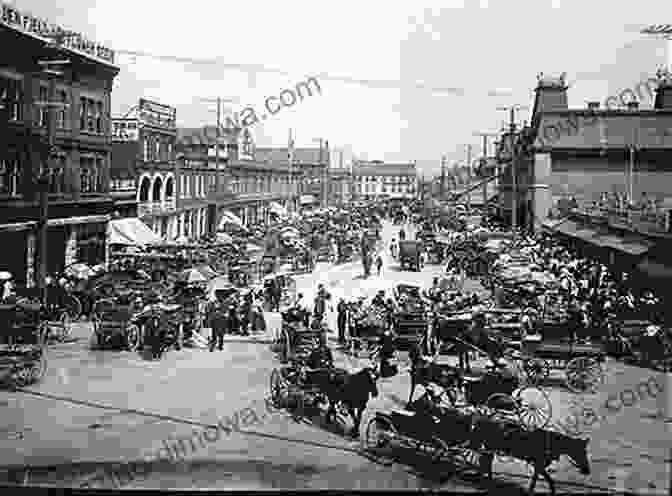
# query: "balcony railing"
[[153, 208], [644, 221]]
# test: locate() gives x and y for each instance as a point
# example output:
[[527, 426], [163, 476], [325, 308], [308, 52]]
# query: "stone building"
[[78, 175], [377, 179], [144, 171]]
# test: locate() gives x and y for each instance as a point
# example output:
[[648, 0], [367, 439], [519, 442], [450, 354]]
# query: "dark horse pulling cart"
[[23, 347], [469, 434]]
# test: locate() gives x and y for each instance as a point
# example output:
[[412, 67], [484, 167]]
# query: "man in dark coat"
[[218, 325], [320, 306], [342, 312]]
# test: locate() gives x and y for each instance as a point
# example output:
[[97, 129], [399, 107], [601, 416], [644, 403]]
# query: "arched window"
[[169, 188], [144, 190], [156, 190]]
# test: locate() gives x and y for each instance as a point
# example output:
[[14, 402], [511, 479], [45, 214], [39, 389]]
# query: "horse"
[[352, 390], [538, 448], [424, 371]]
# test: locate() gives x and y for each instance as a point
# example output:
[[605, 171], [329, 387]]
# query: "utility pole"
[[219, 125], [50, 69], [291, 171], [468, 178], [485, 137], [443, 177], [514, 173]]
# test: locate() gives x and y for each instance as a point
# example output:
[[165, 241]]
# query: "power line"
[[260, 68]]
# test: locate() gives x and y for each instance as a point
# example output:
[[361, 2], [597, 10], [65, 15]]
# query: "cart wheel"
[[65, 326], [132, 337], [438, 450], [39, 368], [74, 307], [536, 371], [380, 433], [533, 407], [584, 374], [279, 389]]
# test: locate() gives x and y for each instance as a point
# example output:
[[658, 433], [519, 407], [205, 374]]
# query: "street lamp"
[[514, 183]]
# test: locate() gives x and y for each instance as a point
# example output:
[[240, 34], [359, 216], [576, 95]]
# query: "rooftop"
[[378, 168], [21, 20]]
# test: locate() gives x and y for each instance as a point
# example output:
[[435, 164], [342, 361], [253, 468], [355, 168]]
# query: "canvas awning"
[[229, 217], [131, 232], [276, 208], [631, 245]]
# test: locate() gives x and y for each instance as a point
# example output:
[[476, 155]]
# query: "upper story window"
[[62, 112], [99, 118], [145, 149], [91, 118], [42, 110], [10, 175], [11, 98]]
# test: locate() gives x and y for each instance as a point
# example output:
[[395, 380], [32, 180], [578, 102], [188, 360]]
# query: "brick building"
[[78, 176], [143, 175]]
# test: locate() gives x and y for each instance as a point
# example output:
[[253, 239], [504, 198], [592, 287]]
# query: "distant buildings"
[[78, 175], [377, 179]]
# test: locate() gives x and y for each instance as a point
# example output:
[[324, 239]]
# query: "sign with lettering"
[[156, 114], [31, 24]]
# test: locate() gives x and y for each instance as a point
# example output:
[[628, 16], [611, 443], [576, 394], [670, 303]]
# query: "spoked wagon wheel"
[[663, 362], [279, 388], [39, 368], [536, 371], [533, 407], [132, 337], [438, 450], [379, 436], [584, 374], [65, 326]]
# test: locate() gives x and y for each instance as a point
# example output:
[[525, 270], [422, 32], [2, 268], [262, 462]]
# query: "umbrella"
[[249, 247], [5, 276], [192, 276], [224, 238], [289, 234], [80, 271], [207, 271]]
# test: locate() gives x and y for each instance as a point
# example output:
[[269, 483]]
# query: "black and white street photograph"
[[281, 246]]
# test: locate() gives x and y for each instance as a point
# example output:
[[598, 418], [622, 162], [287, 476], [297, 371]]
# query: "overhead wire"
[[261, 68]]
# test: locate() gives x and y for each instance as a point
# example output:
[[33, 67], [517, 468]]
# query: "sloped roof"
[[281, 155], [206, 135], [587, 129], [385, 169]]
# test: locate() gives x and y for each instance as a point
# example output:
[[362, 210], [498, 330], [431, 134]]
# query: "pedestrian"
[[379, 264], [342, 318], [218, 327], [402, 234]]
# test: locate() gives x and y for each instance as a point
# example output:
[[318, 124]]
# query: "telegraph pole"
[[514, 182], [291, 170], [485, 137], [219, 125], [468, 178], [443, 177], [50, 69]]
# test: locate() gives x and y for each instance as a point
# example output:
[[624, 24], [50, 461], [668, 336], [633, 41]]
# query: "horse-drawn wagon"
[[23, 345], [411, 322], [410, 255], [114, 325]]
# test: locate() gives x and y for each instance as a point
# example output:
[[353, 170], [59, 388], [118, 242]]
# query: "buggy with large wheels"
[[296, 340], [366, 328], [161, 326], [411, 322], [582, 363], [23, 345], [410, 255], [114, 326]]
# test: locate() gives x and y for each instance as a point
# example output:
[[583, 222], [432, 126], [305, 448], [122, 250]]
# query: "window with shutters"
[[100, 128], [42, 110], [9, 176], [61, 116], [82, 113], [11, 99]]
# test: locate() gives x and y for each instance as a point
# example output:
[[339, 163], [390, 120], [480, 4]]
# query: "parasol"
[[192, 276], [249, 247], [80, 271], [5, 276]]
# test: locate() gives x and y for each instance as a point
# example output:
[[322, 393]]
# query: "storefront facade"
[[78, 172]]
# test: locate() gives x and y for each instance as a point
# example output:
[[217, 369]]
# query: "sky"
[[404, 57]]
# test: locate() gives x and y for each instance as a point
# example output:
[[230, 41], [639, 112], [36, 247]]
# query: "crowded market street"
[[73, 428]]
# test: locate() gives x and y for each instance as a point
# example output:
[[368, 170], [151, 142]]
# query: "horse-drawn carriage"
[[114, 325], [346, 252], [367, 325], [161, 326], [296, 339], [410, 255], [23, 345], [469, 420], [411, 322]]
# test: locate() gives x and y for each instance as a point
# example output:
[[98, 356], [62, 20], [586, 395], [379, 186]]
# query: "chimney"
[[633, 105], [551, 95], [593, 105]]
